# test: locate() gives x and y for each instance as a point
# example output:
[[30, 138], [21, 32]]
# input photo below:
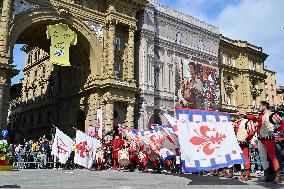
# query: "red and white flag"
[[62, 146], [85, 149]]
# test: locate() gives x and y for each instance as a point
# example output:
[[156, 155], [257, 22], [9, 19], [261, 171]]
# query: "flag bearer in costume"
[[245, 130], [277, 119], [133, 149], [266, 143], [117, 144], [143, 158]]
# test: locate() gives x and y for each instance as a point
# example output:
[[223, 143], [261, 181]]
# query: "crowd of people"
[[32, 154], [259, 132]]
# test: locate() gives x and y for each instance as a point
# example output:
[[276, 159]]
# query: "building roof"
[[184, 17], [268, 70], [244, 44]]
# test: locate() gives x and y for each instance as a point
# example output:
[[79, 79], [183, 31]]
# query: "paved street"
[[37, 179]]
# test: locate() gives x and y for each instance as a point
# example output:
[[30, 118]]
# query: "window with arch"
[[178, 38], [117, 43], [200, 45], [117, 70]]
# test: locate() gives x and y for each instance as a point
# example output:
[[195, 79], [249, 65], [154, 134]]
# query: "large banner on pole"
[[207, 140], [86, 148], [62, 146], [100, 122]]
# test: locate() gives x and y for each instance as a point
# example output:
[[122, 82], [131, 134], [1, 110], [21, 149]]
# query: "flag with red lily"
[[207, 140], [142, 141], [158, 141], [62, 146], [85, 149]]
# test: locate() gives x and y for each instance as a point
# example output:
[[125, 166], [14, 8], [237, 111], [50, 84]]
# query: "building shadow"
[[10, 186]]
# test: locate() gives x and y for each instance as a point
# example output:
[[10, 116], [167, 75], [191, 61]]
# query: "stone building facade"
[[243, 75], [102, 63], [270, 87], [167, 41], [279, 96]]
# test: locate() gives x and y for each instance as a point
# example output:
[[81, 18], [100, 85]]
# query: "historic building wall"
[[270, 87], [102, 63], [166, 40], [242, 75]]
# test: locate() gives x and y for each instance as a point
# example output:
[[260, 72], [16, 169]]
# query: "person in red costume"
[[143, 158], [117, 144], [267, 143], [245, 130], [133, 153]]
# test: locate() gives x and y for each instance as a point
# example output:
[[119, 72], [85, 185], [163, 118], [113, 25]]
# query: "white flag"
[[62, 146], [86, 148], [100, 123]]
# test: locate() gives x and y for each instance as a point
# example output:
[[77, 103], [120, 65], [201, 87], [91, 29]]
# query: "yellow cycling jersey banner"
[[61, 39]]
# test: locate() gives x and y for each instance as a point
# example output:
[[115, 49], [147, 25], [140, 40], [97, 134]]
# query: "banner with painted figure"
[[85, 149], [207, 140], [62, 146], [61, 39], [197, 86]]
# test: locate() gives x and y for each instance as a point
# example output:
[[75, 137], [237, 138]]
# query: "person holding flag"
[[117, 144]]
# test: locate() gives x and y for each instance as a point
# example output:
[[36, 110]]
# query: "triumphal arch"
[[102, 61]]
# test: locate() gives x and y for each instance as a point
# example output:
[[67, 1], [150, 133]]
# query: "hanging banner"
[[207, 140], [100, 123], [197, 85], [85, 149], [61, 39], [62, 146]]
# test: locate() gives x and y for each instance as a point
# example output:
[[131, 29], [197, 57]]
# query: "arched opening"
[[53, 92], [81, 120]]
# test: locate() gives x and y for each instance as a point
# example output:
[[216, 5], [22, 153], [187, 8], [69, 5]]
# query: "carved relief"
[[96, 28], [23, 6]]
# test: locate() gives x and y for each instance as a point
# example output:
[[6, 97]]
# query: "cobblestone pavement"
[[45, 179]]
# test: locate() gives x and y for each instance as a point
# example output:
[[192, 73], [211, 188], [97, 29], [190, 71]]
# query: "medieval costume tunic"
[[117, 144], [133, 154], [245, 131], [266, 139]]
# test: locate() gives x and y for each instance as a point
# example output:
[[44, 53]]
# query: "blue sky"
[[259, 22]]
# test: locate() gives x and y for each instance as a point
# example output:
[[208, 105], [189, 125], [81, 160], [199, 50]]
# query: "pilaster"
[[109, 109], [130, 116], [130, 56], [5, 24], [111, 37]]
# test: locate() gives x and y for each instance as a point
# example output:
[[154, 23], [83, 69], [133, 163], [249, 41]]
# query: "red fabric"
[[4, 162], [270, 148], [155, 163], [117, 145], [251, 117], [245, 150], [250, 135], [281, 129], [168, 162], [134, 158]]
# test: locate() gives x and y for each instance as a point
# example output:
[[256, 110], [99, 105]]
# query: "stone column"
[[93, 104], [4, 98], [5, 24], [109, 109], [130, 66], [130, 116], [111, 37]]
